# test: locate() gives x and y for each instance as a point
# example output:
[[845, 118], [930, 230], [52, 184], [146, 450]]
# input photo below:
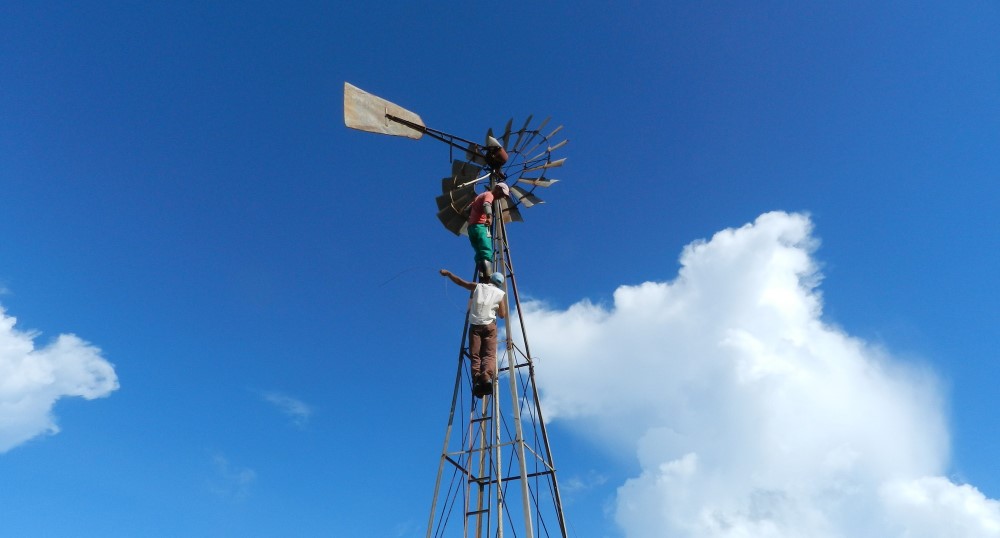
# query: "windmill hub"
[[496, 156]]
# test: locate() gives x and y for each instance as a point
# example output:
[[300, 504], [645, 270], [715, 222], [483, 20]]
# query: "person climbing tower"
[[480, 220], [486, 303]]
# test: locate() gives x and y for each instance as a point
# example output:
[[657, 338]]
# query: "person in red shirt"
[[480, 220]]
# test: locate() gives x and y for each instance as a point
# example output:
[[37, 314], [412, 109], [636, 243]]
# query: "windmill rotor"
[[522, 158], [528, 160]]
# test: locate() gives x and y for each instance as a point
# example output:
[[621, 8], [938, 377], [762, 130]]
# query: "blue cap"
[[497, 278]]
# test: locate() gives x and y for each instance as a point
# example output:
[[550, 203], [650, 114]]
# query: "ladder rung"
[[490, 480]]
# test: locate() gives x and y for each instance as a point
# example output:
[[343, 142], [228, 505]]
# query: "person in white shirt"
[[486, 303]]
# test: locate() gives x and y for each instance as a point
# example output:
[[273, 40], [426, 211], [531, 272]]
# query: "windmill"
[[496, 473]]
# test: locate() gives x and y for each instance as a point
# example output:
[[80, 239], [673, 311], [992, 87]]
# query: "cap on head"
[[497, 279], [492, 142], [503, 187]]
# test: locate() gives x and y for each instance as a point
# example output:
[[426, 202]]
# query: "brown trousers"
[[483, 350]]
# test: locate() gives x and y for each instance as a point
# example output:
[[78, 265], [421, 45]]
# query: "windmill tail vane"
[[366, 112], [520, 157]]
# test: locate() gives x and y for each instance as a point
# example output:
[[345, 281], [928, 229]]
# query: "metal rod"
[[534, 387], [518, 431], [457, 464], [447, 433], [447, 138], [497, 460]]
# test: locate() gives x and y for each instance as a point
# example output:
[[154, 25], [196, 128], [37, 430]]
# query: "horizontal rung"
[[488, 480]]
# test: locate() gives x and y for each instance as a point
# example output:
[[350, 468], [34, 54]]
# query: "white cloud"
[[32, 380], [576, 483], [930, 507], [747, 412], [231, 482], [296, 409]]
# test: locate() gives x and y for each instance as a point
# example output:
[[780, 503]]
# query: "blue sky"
[[253, 290]]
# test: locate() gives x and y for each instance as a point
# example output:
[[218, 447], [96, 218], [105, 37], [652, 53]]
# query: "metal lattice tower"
[[496, 476], [496, 469]]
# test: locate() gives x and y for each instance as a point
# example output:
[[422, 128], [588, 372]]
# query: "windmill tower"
[[496, 474]]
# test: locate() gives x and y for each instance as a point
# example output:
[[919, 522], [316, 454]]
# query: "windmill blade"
[[524, 197], [472, 155], [533, 148], [543, 140], [543, 124], [454, 222], [521, 132], [535, 132], [366, 112], [462, 173], [447, 185], [458, 199], [553, 164], [538, 181], [527, 140], [548, 151], [506, 133], [510, 212], [453, 208], [463, 170], [557, 146]]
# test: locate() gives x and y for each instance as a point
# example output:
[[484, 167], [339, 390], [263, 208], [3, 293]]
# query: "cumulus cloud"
[[931, 507], [32, 380], [748, 413]]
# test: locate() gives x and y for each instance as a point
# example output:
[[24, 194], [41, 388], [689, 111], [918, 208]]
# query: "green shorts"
[[482, 242]]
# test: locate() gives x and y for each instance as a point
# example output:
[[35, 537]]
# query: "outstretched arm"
[[464, 283]]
